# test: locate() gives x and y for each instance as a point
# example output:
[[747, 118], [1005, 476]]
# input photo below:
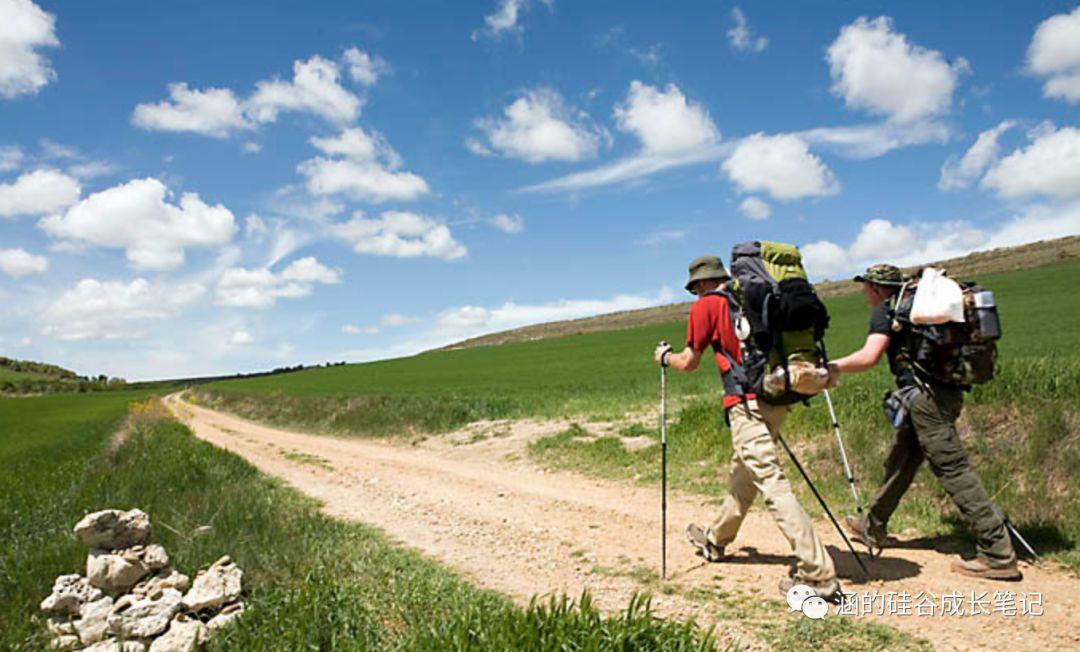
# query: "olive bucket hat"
[[706, 267], [882, 275]]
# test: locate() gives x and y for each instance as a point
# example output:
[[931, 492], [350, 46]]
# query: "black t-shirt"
[[881, 319]]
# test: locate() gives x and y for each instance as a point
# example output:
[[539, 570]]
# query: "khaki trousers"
[[755, 468]]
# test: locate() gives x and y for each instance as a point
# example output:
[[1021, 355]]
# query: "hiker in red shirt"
[[755, 464]]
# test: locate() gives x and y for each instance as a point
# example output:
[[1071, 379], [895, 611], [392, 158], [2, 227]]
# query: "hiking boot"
[[859, 529], [980, 568], [829, 591], [699, 538]]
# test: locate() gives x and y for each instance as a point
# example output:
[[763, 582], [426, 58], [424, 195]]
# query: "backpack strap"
[[736, 382]]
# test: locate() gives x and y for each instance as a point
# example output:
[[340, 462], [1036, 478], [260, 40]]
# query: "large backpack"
[[787, 319], [954, 353]]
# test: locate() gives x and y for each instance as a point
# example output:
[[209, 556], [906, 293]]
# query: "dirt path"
[[512, 527]]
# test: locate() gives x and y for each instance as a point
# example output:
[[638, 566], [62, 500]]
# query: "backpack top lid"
[[771, 262]]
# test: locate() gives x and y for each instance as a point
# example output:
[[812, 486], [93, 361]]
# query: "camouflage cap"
[[882, 275], [706, 267]]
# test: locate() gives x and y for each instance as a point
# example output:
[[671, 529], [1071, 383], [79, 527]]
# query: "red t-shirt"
[[710, 325]]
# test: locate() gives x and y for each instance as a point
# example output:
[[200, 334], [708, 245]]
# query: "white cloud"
[[880, 239], [24, 28], [367, 170], [18, 262], [363, 68], [213, 112], [37, 193], [53, 149], [252, 147], [1048, 166], [1038, 222], [626, 169], [672, 130], [241, 338], [90, 169], [506, 19], [136, 217], [664, 121], [401, 235], [1054, 53], [755, 208], [356, 144], [875, 68], [925, 242], [961, 173], [508, 223], [315, 88], [539, 127], [360, 181], [503, 20], [96, 309], [741, 37], [353, 329], [781, 165], [824, 259], [260, 288], [255, 227], [11, 157], [867, 141], [467, 321]]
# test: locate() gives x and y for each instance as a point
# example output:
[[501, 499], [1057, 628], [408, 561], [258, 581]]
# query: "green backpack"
[[787, 319]]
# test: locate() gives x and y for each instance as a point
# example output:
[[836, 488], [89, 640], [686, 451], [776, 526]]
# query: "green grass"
[[48, 445], [311, 582], [1022, 428]]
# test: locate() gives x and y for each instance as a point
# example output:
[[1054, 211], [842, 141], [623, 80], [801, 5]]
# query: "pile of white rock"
[[131, 599]]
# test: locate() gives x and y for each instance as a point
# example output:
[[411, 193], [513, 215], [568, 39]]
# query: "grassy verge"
[[312, 582]]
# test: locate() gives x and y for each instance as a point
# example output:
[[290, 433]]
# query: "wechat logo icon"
[[802, 598]]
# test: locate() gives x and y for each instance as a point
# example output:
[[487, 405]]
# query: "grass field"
[[311, 582], [1022, 429]]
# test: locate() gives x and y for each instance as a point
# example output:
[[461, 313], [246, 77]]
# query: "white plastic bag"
[[938, 299]]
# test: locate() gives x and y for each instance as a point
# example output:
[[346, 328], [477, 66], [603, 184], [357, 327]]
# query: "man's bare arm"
[[688, 360], [865, 358]]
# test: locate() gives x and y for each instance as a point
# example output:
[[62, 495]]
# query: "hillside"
[[1029, 256], [28, 377]]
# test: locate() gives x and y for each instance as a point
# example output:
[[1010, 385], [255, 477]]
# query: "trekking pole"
[[821, 500], [1016, 534], [663, 471], [847, 468]]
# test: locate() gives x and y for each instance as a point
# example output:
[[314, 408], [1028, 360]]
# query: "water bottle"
[[987, 326]]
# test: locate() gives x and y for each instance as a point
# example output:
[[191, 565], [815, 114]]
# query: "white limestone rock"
[[93, 622], [155, 557], [68, 594], [225, 617], [113, 645], [166, 578], [217, 585], [64, 642], [115, 571], [146, 617], [184, 635], [113, 528]]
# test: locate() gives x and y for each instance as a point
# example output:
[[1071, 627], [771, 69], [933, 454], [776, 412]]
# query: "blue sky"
[[197, 188]]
